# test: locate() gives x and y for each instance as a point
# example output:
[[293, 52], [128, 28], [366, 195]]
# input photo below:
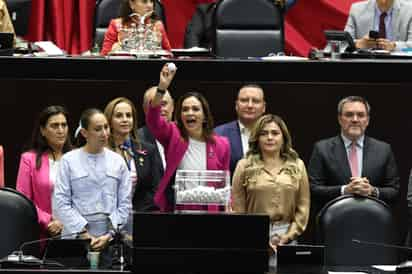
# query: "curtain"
[[68, 23], [307, 20]]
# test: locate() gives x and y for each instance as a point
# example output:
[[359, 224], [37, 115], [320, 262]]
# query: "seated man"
[[351, 162], [5, 22], [392, 19], [199, 31]]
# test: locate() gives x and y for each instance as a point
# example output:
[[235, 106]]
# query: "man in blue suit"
[[250, 105]]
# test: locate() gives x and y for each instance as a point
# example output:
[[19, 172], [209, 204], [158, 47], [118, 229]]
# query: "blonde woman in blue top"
[[92, 193]]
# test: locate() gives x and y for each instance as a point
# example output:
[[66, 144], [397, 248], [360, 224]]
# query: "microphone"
[[118, 244], [20, 254], [361, 242]]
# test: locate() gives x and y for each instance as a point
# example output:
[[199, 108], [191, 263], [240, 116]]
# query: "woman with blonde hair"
[[143, 162], [272, 180]]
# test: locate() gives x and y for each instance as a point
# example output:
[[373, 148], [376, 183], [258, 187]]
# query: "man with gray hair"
[[353, 163], [166, 110]]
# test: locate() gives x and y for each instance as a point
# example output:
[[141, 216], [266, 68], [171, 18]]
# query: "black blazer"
[[146, 136], [147, 164], [329, 169], [199, 31]]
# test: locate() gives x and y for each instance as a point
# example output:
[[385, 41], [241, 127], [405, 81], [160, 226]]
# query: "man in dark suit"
[[167, 107], [352, 163], [250, 105]]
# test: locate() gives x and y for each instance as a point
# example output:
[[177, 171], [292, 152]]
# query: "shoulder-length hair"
[[38, 142], [286, 151], [109, 111], [208, 124], [125, 11]]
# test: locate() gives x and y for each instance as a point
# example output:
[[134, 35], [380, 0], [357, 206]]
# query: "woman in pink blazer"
[[38, 166], [189, 142]]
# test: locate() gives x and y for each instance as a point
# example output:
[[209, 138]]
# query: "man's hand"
[[359, 186], [386, 44], [366, 43]]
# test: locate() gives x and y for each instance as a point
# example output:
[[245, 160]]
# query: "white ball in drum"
[[171, 66]]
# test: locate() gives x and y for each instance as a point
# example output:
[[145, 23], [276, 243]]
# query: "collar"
[[242, 128], [347, 142], [379, 12]]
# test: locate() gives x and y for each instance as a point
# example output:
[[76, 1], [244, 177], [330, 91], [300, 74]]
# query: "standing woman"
[[92, 194], [141, 158], [131, 12], [38, 166], [189, 143], [272, 180]]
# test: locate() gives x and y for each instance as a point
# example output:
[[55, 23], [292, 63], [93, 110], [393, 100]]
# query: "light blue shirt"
[[388, 22], [89, 184]]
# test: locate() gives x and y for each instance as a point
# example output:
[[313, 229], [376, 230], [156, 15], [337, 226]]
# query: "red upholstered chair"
[[1, 167]]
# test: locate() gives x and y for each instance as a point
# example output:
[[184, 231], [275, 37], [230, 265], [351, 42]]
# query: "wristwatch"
[[374, 192], [160, 91]]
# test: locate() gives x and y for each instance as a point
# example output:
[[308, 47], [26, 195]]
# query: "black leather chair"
[[19, 11], [245, 28], [107, 10], [19, 223], [362, 218]]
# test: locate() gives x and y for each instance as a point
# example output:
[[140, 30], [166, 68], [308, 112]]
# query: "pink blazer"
[[175, 146], [36, 185]]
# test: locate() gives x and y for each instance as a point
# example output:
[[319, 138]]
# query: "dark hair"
[[125, 11], [84, 123], [352, 99], [286, 152], [108, 111], [252, 85], [207, 124], [39, 143]]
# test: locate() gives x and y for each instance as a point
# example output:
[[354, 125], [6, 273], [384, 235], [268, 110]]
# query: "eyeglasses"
[[350, 114]]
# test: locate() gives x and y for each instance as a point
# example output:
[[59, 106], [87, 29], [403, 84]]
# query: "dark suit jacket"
[[147, 164], [199, 31], [329, 169], [231, 131], [146, 136]]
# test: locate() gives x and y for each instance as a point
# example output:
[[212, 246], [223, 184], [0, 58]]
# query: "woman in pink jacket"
[[189, 142], [38, 166]]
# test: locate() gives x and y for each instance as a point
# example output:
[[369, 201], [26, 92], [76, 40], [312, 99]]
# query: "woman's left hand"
[[101, 242]]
